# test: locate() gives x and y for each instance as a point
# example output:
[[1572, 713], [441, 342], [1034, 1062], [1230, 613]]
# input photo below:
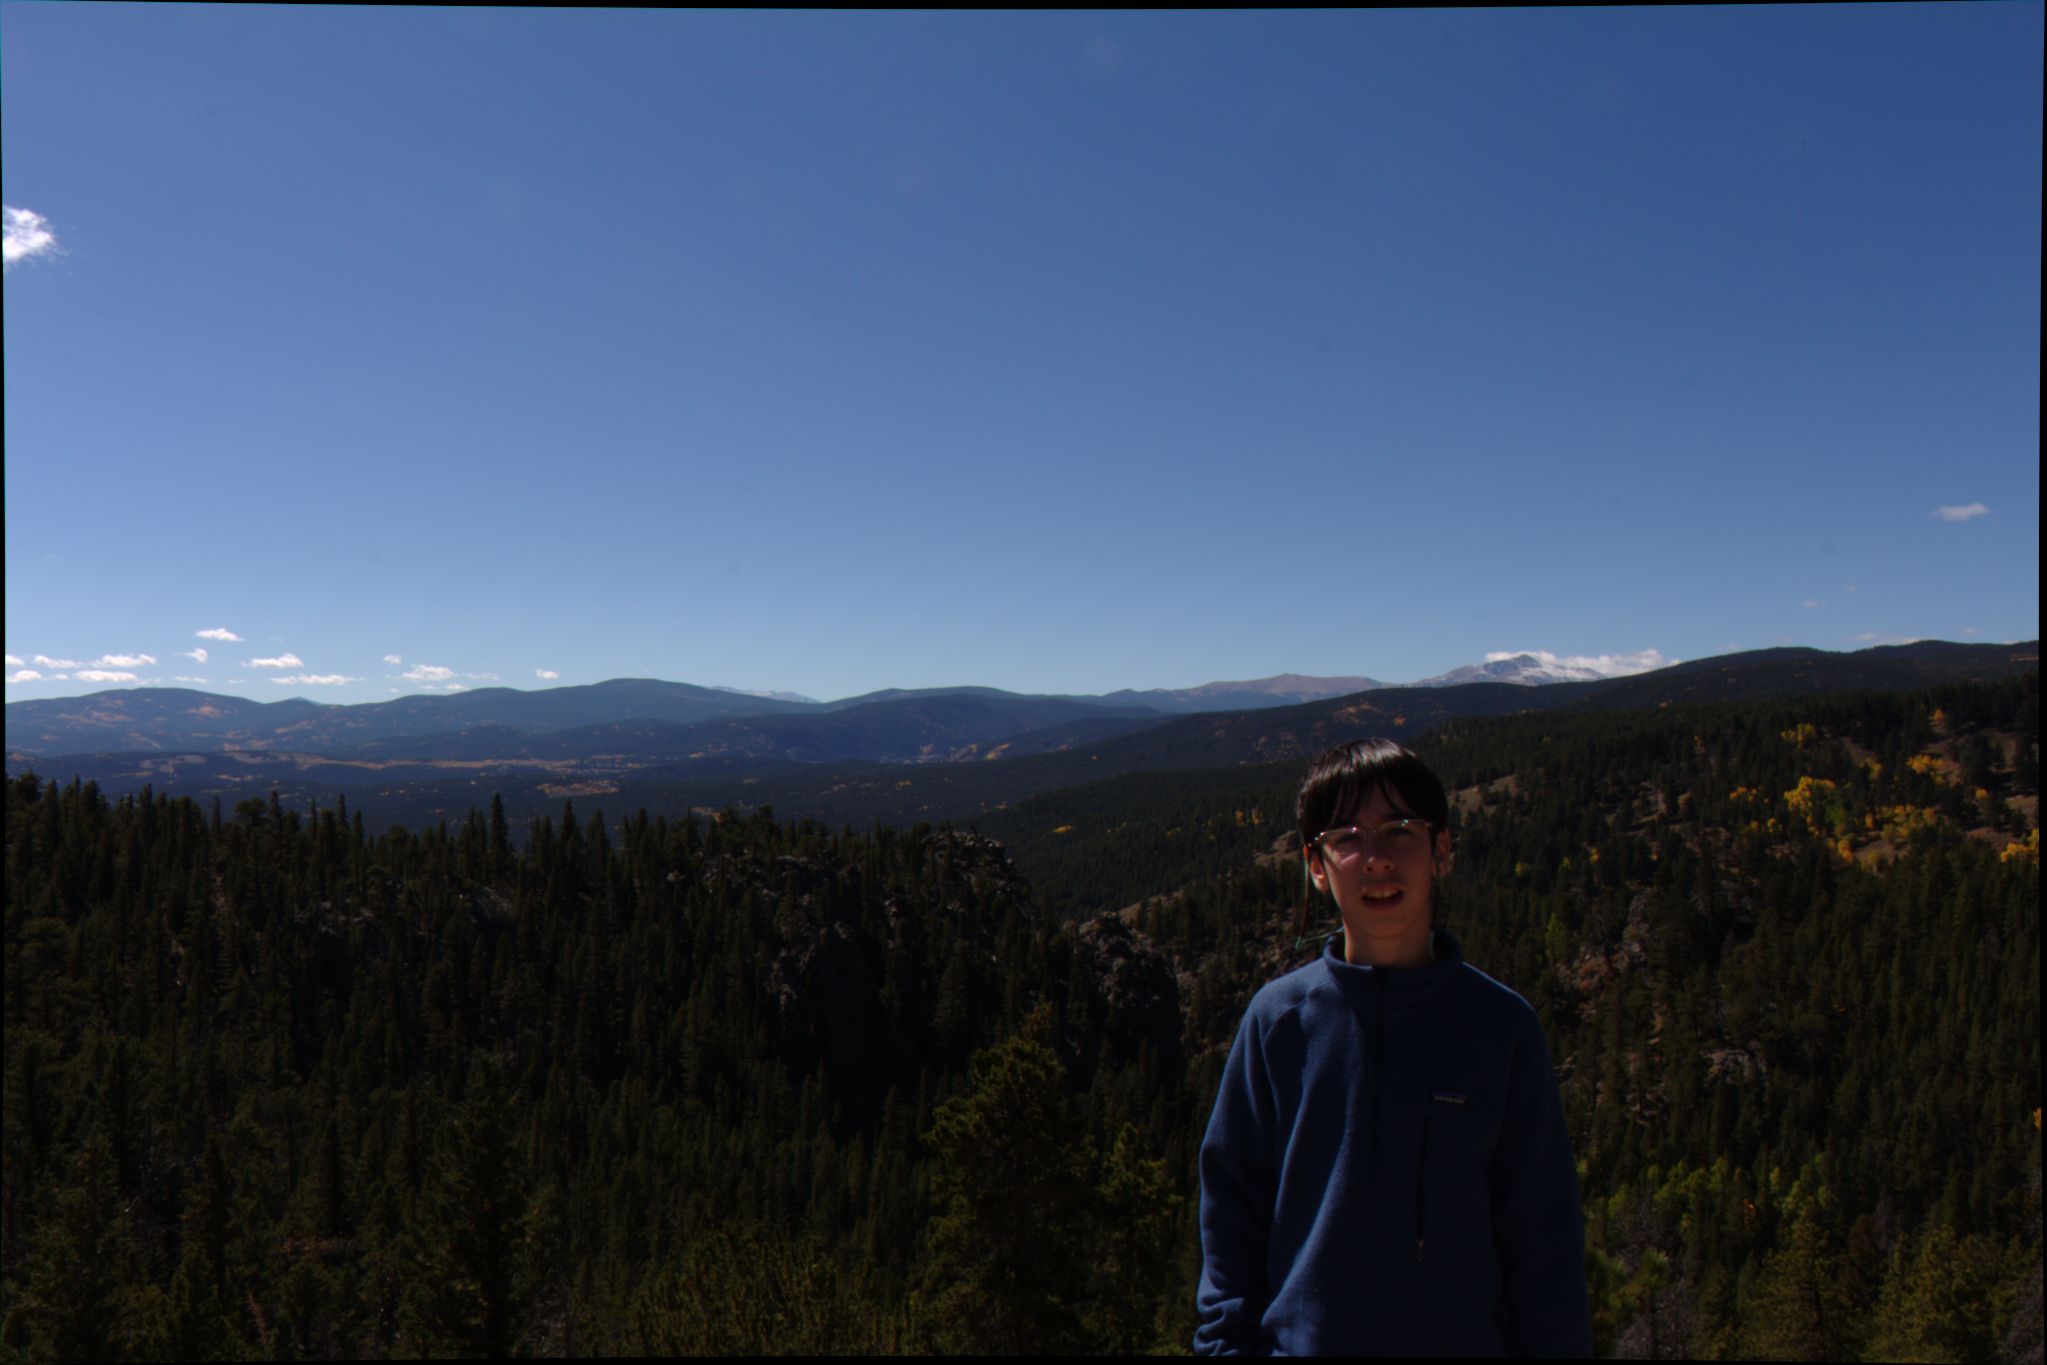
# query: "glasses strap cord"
[[1316, 939]]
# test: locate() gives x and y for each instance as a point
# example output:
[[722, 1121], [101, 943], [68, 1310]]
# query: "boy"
[[1386, 1170]]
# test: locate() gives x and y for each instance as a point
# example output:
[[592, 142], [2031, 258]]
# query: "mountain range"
[[895, 754], [483, 721], [157, 718]]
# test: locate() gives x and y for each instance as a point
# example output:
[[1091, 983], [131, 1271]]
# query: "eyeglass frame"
[[1371, 835]]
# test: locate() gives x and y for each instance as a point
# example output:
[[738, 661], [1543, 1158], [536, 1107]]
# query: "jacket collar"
[[1402, 988]]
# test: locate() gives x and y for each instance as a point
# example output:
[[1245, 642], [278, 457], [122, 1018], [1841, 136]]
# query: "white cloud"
[[454, 687], [13, 662], [197, 656], [538, 672], [281, 661], [1605, 665], [393, 659], [1809, 604], [315, 680], [103, 675], [220, 633], [428, 673], [1962, 513], [482, 677], [26, 236], [47, 662], [25, 675], [123, 660], [182, 678]]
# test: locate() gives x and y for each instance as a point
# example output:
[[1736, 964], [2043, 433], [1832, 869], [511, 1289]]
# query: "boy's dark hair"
[[1344, 778]]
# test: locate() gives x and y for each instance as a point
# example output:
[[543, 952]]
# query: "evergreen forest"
[[278, 1085]]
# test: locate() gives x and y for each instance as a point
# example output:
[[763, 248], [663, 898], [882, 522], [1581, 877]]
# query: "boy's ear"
[[1315, 873]]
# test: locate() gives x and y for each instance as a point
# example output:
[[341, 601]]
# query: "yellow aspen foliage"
[[1938, 720], [2020, 850], [1844, 850], [1814, 800], [1875, 768], [1063, 829], [1808, 790], [1744, 794], [1900, 823], [1942, 770], [1800, 734]]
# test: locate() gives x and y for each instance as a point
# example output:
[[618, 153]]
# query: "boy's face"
[[1383, 893]]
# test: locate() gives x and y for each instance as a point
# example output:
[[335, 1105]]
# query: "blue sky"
[[1056, 352]]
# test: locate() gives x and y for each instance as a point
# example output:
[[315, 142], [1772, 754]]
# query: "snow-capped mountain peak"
[[1523, 669]]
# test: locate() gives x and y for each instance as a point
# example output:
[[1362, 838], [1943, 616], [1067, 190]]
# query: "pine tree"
[[745, 1287], [78, 1303], [196, 1321], [1134, 1266], [1950, 1301], [1800, 1312], [466, 1235], [1012, 1185]]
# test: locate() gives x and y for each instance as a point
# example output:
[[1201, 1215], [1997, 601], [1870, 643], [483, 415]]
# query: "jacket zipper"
[[1378, 1068], [1421, 1183]]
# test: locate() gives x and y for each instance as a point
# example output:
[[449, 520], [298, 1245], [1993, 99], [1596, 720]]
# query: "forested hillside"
[[278, 1085]]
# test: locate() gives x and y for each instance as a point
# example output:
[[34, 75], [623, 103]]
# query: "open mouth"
[[1382, 896]]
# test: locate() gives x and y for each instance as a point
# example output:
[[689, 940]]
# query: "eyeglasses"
[[1348, 843]]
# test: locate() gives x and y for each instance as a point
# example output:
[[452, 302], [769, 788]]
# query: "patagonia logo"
[[1449, 1096]]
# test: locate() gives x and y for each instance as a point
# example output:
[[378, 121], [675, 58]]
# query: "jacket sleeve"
[[1537, 1220], [1239, 1182]]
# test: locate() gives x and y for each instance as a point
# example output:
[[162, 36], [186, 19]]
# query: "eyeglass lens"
[[1390, 837]]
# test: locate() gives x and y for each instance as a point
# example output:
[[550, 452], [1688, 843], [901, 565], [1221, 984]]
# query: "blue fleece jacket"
[[1387, 1172]]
